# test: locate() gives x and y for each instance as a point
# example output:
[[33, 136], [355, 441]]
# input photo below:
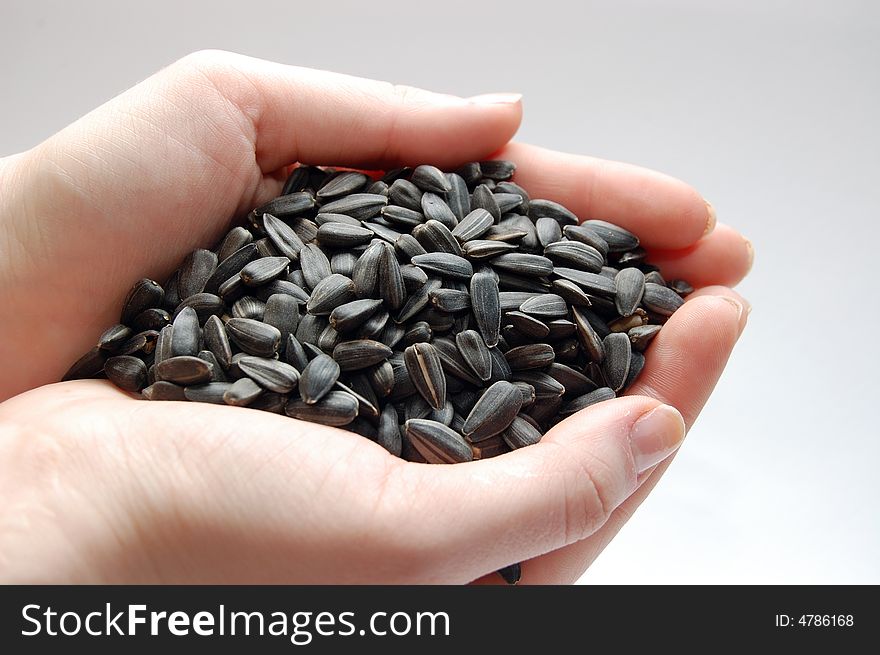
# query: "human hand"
[[99, 487]]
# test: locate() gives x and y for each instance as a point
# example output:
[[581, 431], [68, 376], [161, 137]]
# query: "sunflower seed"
[[144, 294], [197, 269], [548, 230], [242, 392], [528, 325], [545, 386], [521, 433], [435, 208], [457, 197], [249, 307], [112, 338], [641, 336], [486, 248], [436, 237], [430, 178], [681, 287], [590, 340], [360, 353], [493, 412], [534, 355], [314, 264], [186, 335], [404, 193], [630, 286], [420, 332], [351, 315], [450, 300], [407, 246], [217, 372], [293, 204], [473, 225], [615, 366], [486, 303], [343, 184], [366, 271], [437, 443], [154, 318], [126, 372], [662, 300], [618, 239], [626, 323], [505, 233], [391, 284], [254, 337], [270, 374], [475, 353], [576, 254], [592, 282], [231, 266], [388, 432], [337, 408], [163, 344], [184, 369], [235, 239], [511, 574], [445, 265], [283, 237], [331, 292], [588, 399], [574, 382], [546, 306], [483, 198], [571, 292], [162, 390]]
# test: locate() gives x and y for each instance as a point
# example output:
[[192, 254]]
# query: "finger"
[[663, 211], [683, 365], [540, 498], [723, 257], [311, 116]]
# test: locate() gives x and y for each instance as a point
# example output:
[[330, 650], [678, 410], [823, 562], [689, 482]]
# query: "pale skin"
[[100, 487]]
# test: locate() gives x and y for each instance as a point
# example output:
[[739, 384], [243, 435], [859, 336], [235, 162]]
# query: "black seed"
[[547, 306], [592, 282], [426, 372], [292, 204], [430, 178], [283, 237], [342, 184], [314, 264], [436, 237], [521, 433], [662, 300], [391, 286], [126, 372], [533, 355], [366, 271], [549, 209], [195, 272], [437, 443], [114, 337], [270, 374], [388, 432], [435, 208], [618, 239], [242, 392], [483, 198], [212, 392], [528, 325], [360, 353], [582, 402], [331, 292], [493, 412], [445, 265], [473, 225], [162, 390], [475, 353], [351, 315], [185, 370], [337, 408], [486, 303], [144, 294], [254, 337]]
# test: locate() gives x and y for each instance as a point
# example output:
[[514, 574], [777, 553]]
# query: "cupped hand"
[[100, 487]]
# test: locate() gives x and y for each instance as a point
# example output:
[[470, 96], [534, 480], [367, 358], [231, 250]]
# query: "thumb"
[[541, 498], [318, 117]]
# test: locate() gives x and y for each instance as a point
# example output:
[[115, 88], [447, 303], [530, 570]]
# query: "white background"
[[769, 108]]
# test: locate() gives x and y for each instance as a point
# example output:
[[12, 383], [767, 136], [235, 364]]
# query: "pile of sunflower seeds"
[[446, 316]]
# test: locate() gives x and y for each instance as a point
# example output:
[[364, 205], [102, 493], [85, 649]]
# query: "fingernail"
[[751, 250], [711, 220], [496, 99], [742, 306], [655, 436]]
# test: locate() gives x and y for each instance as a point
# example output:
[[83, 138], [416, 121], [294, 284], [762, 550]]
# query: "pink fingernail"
[[655, 436], [496, 99], [711, 220]]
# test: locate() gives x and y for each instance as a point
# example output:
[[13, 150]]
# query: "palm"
[[206, 149]]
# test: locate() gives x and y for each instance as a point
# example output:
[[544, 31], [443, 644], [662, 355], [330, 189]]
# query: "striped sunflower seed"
[[437, 443], [185, 370], [343, 184], [430, 178], [391, 283], [661, 300], [254, 337], [473, 225], [533, 355], [426, 372], [271, 374], [336, 409], [314, 264], [475, 353], [493, 412], [126, 372], [347, 317], [587, 400], [549, 209], [242, 393], [521, 432], [483, 198], [630, 286], [457, 197], [486, 303], [144, 294], [328, 294], [162, 390], [435, 208], [360, 353]]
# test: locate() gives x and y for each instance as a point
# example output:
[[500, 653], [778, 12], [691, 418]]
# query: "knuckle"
[[587, 501]]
